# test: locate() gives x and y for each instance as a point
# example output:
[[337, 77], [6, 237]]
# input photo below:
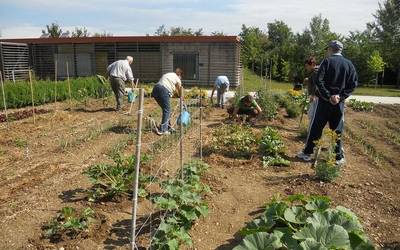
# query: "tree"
[[80, 32], [218, 33], [102, 34], [376, 65], [177, 31], [254, 43], [358, 47], [320, 35], [386, 29], [54, 30]]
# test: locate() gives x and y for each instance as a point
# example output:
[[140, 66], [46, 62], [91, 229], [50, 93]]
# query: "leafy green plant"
[[19, 94], [112, 180], [183, 205], [267, 104], [360, 105], [293, 110], [326, 168], [70, 222], [233, 141], [304, 223], [271, 147]]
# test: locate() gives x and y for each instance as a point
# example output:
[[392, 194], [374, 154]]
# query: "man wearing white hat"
[[337, 79]]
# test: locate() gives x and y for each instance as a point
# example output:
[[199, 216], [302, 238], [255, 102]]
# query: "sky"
[[26, 18]]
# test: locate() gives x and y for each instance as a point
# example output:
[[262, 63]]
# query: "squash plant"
[[69, 221], [304, 223], [182, 204], [112, 180]]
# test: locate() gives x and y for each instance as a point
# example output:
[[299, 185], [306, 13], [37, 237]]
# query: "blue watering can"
[[184, 117]]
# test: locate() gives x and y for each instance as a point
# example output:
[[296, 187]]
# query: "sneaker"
[[303, 156], [163, 133], [340, 162]]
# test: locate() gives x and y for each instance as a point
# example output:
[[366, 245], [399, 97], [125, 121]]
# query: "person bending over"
[[246, 106], [169, 84]]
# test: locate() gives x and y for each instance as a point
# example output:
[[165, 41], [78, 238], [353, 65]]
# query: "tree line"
[[374, 51]]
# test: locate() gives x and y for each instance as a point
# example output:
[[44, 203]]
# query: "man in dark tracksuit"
[[337, 79]]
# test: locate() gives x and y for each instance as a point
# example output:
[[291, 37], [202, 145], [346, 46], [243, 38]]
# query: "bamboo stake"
[[69, 89], [4, 97], [33, 102], [137, 168]]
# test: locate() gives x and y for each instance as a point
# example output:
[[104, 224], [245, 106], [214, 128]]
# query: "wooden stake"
[[137, 168], [201, 124], [55, 82], [181, 131], [33, 102], [4, 97], [69, 89]]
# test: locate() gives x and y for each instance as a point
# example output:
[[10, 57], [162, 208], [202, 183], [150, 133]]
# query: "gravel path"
[[374, 99]]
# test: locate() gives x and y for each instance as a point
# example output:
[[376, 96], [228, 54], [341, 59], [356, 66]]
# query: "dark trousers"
[[325, 113], [161, 95], [118, 87]]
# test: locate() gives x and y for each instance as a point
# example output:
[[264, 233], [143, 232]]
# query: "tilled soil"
[[42, 168]]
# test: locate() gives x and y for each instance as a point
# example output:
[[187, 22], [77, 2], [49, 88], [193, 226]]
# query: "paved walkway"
[[374, 99]]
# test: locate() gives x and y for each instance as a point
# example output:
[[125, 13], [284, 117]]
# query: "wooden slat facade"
[[213, 57], [14, 61]]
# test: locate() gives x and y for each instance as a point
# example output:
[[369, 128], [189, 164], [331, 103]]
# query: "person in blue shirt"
[[336, 80], [222, 86]]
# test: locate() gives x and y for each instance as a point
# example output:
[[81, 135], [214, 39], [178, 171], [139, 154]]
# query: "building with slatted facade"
[[202, 58]]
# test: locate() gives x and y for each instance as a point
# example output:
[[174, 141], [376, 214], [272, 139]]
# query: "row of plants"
[[18, 94], [181, 203], [361, 106], [295, 102], [304, 223], [241, 142]]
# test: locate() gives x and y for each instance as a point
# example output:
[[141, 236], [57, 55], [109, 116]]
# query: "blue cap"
[[335, 44]]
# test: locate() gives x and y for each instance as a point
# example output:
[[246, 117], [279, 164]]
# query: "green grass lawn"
[[253, 82]]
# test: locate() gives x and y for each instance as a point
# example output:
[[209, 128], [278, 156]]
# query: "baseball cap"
[[335, 44]]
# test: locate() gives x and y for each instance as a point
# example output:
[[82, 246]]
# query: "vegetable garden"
[[67, 179]]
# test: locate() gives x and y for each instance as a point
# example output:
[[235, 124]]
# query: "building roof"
[[126, 39]]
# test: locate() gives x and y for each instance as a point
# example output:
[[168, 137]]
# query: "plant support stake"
[[55, 81], [181, 131], [137, 166], [4, 96], [69, 89], [33, 102], [201, 124]]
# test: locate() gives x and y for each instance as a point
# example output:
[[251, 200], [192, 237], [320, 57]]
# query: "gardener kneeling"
[[246, 106]]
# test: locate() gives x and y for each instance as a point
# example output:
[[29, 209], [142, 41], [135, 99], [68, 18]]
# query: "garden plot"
[[36, 189]]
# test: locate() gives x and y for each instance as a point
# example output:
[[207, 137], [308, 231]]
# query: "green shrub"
[[361, 106], [304, 223], [267, 104], [233, 141], [19, 94], [293, 110]]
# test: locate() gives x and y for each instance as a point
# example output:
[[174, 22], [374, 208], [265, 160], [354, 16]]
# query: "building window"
[[189, 63]]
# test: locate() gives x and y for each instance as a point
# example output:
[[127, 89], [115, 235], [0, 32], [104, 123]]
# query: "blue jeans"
[[161, 95]]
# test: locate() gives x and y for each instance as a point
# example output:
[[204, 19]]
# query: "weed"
[[20, 143]]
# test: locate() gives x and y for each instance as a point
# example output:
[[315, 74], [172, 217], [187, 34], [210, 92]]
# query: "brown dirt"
[[42, 168]]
